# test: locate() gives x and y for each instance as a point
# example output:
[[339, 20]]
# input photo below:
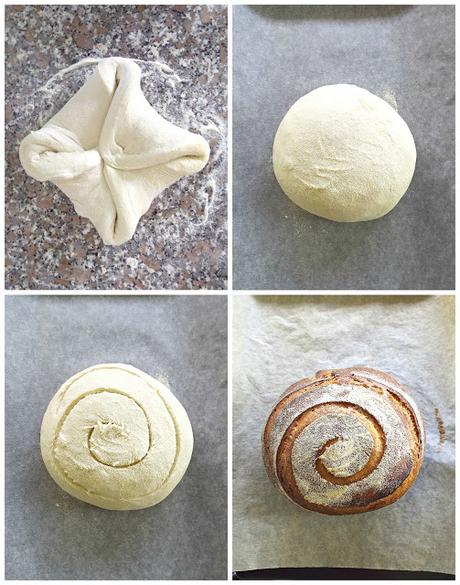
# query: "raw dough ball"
[[344, 154], [116, 438]]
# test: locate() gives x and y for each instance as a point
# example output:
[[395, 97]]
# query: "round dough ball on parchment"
[[344, 154], [116, 438]]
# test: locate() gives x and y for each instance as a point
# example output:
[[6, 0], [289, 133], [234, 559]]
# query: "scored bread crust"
[[391, 476]]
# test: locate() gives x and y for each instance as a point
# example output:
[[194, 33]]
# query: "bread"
[[344, 441], [116, 438]]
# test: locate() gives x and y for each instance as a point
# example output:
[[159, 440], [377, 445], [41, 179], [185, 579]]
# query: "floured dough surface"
[[344, 154], [116, 438], [110, 151]]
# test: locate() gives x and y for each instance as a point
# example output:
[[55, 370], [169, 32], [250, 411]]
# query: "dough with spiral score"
[[110, 152], [116, 438], [344, 154]]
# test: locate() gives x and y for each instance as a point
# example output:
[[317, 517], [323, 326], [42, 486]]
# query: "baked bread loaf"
[[116, 438], [344, 441]]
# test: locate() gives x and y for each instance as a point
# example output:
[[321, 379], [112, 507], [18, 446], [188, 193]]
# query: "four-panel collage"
[[229, 291]]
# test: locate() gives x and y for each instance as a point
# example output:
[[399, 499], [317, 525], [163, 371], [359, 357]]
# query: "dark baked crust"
[[279, 467]]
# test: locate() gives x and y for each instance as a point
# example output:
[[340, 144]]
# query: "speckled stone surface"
[[181, 243]]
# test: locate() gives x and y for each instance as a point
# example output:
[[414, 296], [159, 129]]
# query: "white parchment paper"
[[279, 340]]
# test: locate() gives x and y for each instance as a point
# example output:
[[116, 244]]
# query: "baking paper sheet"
[[279, 340], [405, 54], [181, 341]]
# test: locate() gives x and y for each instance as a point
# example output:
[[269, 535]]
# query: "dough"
[[116, 438], [344, 154], [110, 152]]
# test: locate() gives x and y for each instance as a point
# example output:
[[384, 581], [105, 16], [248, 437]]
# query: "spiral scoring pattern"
[[116, 438], [121, 441], [344, 442]]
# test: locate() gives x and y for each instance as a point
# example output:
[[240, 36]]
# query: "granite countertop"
[[181, 243]]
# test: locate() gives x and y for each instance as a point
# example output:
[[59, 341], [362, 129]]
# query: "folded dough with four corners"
[[110, 152]]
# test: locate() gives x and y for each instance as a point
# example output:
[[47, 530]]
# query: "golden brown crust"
[[279, 440]]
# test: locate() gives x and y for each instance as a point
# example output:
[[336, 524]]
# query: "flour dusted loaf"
[[343, 153], [344, 441], [111, 152], [116, 438]]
